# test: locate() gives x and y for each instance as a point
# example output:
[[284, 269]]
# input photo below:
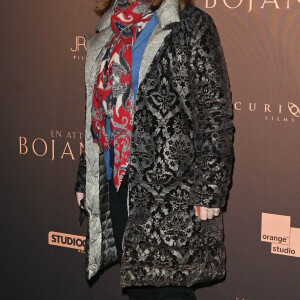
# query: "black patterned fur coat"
[[181, 156]]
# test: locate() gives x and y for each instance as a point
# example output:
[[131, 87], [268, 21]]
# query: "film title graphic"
[[61, 144], [66, 240], [251, 4], [277, 230]]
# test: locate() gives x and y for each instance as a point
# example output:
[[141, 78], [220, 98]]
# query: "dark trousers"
[[119, 215], [118, 212], [160, 293]]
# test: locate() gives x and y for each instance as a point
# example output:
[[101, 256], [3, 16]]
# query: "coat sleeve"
[[81, 174], [212, 113], [80, 180]]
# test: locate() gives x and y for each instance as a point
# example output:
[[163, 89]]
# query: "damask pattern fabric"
[[212, 118], [181, 156]]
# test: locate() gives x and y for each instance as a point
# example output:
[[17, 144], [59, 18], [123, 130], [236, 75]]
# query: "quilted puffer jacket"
[[181, 155]]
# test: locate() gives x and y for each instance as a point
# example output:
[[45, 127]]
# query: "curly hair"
[[103, 5]]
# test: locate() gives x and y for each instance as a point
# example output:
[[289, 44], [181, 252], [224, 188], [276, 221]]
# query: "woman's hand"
[[79, 197], [205, 213]]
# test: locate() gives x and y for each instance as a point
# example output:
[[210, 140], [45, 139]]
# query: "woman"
[[158, 155]]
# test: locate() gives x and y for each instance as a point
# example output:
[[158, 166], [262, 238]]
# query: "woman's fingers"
[[210, 213], [79, 197], [216, 211], [205, 213]]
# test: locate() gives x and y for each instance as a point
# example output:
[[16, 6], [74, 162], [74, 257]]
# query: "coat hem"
[[202, 269]]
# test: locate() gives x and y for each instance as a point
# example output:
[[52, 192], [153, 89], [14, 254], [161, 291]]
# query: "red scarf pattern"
[[113, 92]]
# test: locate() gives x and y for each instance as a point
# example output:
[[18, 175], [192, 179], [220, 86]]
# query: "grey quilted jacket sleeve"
[[81, 174], [80, 182], [212, 116]]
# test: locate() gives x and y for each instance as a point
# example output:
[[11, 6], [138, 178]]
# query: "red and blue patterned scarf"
[[113, 92]]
